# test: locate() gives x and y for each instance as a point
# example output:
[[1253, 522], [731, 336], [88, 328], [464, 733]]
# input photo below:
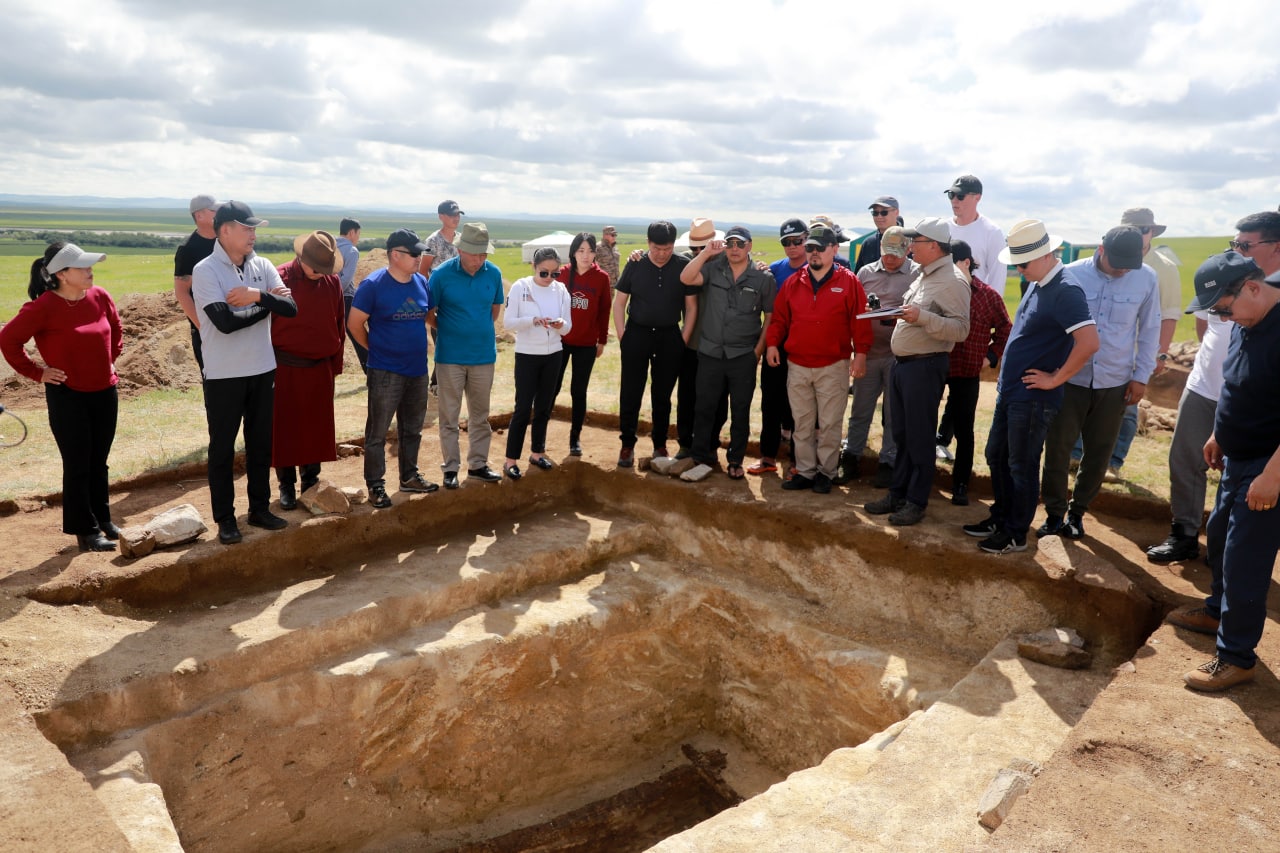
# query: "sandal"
[[735, 471], [764, 466]]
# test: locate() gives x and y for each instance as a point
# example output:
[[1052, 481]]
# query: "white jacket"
[[527, 302]]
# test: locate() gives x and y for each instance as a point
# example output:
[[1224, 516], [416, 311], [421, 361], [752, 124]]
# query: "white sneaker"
[[943, 453]]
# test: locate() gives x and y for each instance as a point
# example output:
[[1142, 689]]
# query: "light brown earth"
[[1144, 764]]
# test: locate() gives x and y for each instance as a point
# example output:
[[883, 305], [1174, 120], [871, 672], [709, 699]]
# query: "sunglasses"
[[815, 249], [409, 253], [879, 213], [548, 273], [1243, 246], [792, 241], [735, 243], [957, 196]]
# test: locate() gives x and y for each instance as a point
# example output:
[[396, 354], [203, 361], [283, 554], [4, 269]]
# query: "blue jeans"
[[1014, 445], [404, 398], [1242, 552]]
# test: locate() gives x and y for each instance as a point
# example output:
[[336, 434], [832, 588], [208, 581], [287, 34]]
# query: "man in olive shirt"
[[607, 253], [647, 307], [935, 316]]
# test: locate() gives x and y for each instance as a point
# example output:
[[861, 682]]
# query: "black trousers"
[[195, 345], [915, 389], [775, 407], [719, 379], [227, 402], [584, 359], [288, 475], [653, 355], [957, 422], [83, 424], [536, 380]]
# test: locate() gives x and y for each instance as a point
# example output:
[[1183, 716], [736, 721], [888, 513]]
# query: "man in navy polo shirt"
[[466, 293], [389, 318], [1053, 337], [1244, 528]]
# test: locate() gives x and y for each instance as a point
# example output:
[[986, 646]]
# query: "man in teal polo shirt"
[[464, 295]]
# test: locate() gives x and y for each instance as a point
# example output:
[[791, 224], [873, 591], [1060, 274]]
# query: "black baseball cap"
[[1123, 245], [451, 208], [406, 239], [739, 231], [822, 236], [236, 211], [792, 227], [1216, 276], [964, 185]]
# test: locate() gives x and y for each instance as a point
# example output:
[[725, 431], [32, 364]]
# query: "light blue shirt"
[[350, 259], [1127, 311]]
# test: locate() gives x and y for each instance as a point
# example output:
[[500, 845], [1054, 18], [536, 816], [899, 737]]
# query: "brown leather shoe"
[[1193, 618], [1217, 675]]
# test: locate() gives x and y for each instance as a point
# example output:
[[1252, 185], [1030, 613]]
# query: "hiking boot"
[[884, 505], [1001, 542], [797, 484], [908, 515], [378, 497], [1217, 675], [1194, 618], [418, 483], [884, 476], [1178, 548], [1052, 526], [982, 529]]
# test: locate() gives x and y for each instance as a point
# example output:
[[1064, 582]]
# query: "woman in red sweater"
[[77, 332], [590, 300]]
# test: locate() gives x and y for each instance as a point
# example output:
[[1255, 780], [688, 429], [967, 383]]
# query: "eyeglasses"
[[957, 196], [409, 253], [879, 213], [1226, 312], [1244, 246], [792, 241], [921, 240], [548, 273], [735, 243]]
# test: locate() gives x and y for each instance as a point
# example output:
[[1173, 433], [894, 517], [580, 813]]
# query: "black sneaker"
[[885, 505], [960, 495], [378, 497], [986, 527], [626, 457], [797, 484], [229, 532], [1001, 542], [1176, 549], [418, 483], [267, 520], [1073, 527], [907, 515], [822, 484], [1052, 526], [484, 475]]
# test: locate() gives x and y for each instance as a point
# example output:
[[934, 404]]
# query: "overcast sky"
[[752, 111]]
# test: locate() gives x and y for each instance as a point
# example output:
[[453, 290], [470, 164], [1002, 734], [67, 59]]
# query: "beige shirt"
[[1170, 284], [943, 297]]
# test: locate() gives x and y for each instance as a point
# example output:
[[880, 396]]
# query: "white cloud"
[[750, 112]]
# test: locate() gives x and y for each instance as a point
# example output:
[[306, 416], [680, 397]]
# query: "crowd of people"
[[827, 340]]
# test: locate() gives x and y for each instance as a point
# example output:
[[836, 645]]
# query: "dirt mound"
[[157, 345]]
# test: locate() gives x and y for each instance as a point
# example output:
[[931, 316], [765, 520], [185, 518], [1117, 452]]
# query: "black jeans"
[[957, 422], [653, 355], [83, 424], [226, 403], [1014, 445], [536, 380], [584, 359], [718, 378], [361, 353], [195, 345], [775, 407]]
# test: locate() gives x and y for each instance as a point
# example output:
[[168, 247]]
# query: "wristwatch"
[[1164, 356]]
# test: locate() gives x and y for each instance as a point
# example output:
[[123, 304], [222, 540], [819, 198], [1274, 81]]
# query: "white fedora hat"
[[1027, 241]]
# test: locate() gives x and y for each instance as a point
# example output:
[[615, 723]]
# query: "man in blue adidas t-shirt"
[[389, 318]]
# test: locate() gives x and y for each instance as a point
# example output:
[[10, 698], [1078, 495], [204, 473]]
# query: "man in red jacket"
[[815, 314]]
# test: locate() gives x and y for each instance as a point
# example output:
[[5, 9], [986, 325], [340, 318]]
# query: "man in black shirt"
[[193, 250], [647, 308]]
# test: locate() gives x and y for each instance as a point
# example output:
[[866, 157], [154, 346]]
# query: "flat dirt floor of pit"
[[1150, 766]]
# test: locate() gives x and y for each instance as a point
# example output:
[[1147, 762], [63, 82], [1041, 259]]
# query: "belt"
[[631, 325], [288, 359], [918, 357]]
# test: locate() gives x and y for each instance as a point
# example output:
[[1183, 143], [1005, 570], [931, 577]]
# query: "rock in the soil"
[[696, 474], [177, 526], [662, 464], [997, 801], [136, 542], [324, 498], [1060, 647], [348, 450], [354, 496]]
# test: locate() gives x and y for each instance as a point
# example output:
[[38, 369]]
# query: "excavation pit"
[[486, 669]]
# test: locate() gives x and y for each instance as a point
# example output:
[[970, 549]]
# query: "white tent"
[[558, 240]]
